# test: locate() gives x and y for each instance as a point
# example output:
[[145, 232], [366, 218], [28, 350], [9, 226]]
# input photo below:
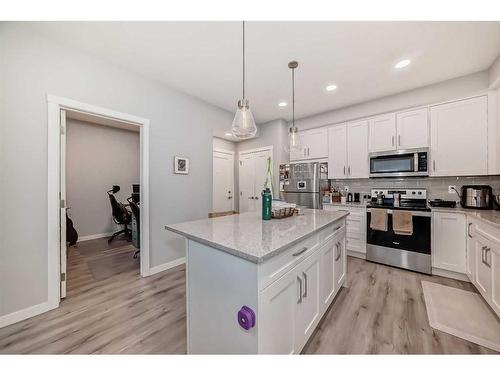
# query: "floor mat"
[[112, 265], [461, 313]]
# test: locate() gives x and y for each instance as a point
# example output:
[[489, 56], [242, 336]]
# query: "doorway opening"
[[104, 249]]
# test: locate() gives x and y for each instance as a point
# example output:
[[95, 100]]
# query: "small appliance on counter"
[[442, 203], [477, 197]]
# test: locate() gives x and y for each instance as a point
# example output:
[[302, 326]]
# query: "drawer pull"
[[303, 250], [336, 229]]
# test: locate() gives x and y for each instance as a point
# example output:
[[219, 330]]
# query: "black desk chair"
[[137, 215], [120, 214]]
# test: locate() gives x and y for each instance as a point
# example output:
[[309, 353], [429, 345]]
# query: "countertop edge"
[[251, 258]]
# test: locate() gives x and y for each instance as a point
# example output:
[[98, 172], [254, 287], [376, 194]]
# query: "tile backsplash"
[[437, 187]]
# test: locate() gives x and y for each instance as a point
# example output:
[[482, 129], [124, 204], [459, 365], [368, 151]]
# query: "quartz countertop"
[[491, 217], [247, 236]]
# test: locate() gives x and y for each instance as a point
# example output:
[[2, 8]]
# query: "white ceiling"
[[203, 59]]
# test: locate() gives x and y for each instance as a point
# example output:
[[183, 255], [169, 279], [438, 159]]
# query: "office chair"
[[120, 214], [134, 206]]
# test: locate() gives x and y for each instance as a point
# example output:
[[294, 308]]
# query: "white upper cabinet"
[[382, 133], [314, 145], [348, 150], [459, 138], [412, 129], [337, 152], [357, 149]]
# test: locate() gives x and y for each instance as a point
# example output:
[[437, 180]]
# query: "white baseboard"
[[166, 266], [356, 254], [449, 274], [94, 236], [26, 313]]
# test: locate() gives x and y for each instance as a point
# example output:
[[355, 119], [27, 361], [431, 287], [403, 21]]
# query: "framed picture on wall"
[[181, 165]]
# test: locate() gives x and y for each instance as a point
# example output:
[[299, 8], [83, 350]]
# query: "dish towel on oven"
[[378, 219], [402, 223]]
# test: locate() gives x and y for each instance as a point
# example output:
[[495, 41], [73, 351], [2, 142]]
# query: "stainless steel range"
[[409, 251]]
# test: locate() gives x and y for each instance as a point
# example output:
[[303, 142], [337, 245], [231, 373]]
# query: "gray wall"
[[32, 67], [273, 133], [454, 88], [224, 144], [98, 157]]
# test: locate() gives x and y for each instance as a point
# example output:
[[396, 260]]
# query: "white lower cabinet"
[[483, 241], [355, 241], [449, 241], [291, 307]]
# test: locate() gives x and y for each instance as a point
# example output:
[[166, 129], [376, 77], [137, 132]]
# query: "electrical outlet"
[[346, 189], [451, 189]]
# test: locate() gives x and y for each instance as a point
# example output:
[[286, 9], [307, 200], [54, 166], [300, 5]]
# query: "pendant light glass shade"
[[243, 123], [293, 144]]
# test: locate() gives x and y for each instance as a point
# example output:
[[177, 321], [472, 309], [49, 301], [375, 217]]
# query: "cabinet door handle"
[[301, 251], [344, 170], [349, 170], [488, 250], [468, 230], [434, 165], [305, 284], [308, 151], [300, 290], [482, 254], [393, 140], [399, 140], [339, 251]]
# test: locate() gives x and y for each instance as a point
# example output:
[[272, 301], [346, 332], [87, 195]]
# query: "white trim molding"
[[26, 313], [167, 266], [94, 236]]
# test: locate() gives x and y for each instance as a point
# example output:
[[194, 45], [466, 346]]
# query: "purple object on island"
[[246, 318]]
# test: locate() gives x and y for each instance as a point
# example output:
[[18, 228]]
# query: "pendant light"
[[243, 123], [293, 144]]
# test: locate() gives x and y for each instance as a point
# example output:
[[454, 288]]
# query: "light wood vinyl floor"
[[381, 310]]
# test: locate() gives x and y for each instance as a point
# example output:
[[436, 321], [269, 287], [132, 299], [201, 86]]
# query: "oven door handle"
[[414, 213]]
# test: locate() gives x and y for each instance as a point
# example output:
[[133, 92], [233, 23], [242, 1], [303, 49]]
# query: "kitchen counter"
[[249, 237], [491, 217]]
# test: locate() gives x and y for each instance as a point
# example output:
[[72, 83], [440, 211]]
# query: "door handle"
[[250, 197], [468, 230], [256, 198], [305, 284], [300, 290], [303, 250]]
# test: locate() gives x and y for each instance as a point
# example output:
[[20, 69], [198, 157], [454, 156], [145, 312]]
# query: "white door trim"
[[55, 104], [259, 149], [222, 151]]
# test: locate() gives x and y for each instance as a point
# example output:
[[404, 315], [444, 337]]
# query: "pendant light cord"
[[243, 60], [293, 97]]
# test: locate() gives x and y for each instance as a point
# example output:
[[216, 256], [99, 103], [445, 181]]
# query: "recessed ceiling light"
[[331, 87], [282, 104], [229, 134], [402, 64]]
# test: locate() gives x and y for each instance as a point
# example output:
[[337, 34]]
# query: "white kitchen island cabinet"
[[257, 286]]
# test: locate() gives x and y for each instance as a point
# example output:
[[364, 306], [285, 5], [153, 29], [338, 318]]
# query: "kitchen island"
[[257, 286]]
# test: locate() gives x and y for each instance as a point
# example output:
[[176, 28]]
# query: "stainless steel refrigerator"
[[304, 183]]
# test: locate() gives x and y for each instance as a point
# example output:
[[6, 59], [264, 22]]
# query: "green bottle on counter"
[[266, 204]]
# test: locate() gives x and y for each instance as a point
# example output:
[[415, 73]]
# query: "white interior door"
[[253, 177], [223, 182], [247, 182], [63, 247]]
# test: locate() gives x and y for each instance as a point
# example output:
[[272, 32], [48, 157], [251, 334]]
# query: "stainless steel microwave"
[[400, 163]]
